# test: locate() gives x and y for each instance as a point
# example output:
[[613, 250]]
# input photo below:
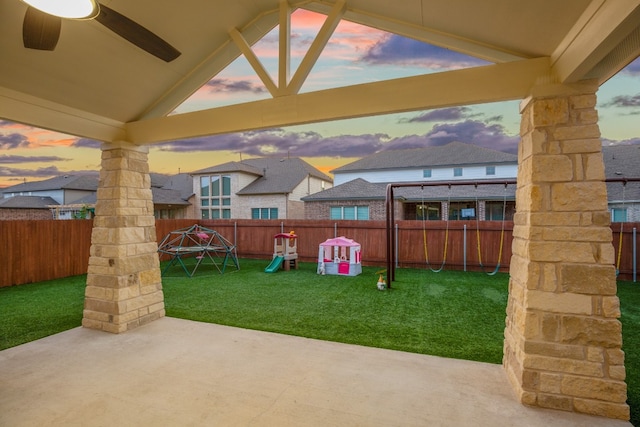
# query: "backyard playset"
[[207, 246], [285, 252], [341, 256]]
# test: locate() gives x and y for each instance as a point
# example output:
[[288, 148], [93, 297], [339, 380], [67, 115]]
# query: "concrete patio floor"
[[176, 372]]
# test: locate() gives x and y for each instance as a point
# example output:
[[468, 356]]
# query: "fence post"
[[464, 247], [397, 245], [634, 255]]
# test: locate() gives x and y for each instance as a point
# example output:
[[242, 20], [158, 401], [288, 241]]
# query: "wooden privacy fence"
[[33, 251]]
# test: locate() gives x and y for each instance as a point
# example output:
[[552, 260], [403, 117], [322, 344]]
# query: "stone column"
[[124, 288], [563, 340]]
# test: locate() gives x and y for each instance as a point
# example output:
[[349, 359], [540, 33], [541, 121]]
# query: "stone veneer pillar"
[[562, 345], [124, 288]]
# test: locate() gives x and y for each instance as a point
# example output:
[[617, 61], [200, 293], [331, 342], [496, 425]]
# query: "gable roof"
[[274, 175], [451, 154], [27, 202], [231, 167], [86, 182], [357, 189], [98, 85]]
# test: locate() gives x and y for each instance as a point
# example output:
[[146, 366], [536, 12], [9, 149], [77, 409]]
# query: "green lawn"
[[450, 314]]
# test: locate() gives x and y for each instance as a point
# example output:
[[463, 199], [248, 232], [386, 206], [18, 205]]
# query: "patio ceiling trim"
[[602, 27], [22, 108], [491, 83], [463, 45]]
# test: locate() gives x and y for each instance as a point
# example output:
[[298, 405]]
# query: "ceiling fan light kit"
[[43, 20], [70, 9]]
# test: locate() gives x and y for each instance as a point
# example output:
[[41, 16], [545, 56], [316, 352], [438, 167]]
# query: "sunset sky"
[[355, 54]]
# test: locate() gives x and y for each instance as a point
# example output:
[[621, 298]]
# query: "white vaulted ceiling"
[[97, 85]]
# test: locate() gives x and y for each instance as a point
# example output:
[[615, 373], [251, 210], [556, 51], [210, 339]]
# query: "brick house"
[[260, 188], [360, 187]]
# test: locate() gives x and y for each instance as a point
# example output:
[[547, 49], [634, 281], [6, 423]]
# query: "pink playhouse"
[[340, 256]]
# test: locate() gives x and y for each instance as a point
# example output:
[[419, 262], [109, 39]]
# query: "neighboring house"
[[74, 196], [622, 161], [260, 188], [360, 187], [26, 207]]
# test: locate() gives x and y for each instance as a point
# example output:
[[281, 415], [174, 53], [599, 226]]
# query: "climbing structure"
[[207, 246]]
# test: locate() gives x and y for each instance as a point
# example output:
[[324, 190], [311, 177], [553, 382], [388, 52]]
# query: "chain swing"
[[424, 235], [504, 211]]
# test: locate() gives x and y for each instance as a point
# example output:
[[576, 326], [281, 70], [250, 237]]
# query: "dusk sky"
[[355, 54]]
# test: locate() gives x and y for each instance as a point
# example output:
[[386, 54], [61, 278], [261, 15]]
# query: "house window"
[[215, 196], [457, 171], [264, 213], [491, 170], [430, 211], [618, 215], [350, 212], [426, 173], [462, 210]]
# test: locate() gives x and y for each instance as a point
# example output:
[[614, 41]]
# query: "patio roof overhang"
[[97, 85]]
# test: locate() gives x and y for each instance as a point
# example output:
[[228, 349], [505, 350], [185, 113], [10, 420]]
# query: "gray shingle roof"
[[88, 182], [27, 202], [165, 196], [230, 167], [453, 153], [279, 176], [360, 189], [182, 182], [357, 189], [622, 161]]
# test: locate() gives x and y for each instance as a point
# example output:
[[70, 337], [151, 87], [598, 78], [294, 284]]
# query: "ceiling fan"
[[41, 30]]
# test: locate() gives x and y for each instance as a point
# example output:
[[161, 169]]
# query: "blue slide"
[[275, 265]]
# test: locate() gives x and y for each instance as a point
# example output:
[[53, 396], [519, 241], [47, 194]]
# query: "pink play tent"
[[340, 256]]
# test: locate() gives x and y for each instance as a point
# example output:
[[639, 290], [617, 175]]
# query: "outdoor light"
[[72, 9]]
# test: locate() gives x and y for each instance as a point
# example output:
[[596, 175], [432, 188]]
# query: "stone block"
[[617, 372], [588, 117], [550, 327], [583, 101], [595, 388], [550, 383], [552, 349], [559, 302], [578, 196], [591, 279], [549, 279], [580, 132], [602, 409], [615, 356], [91, 323], [554, 219], [550, 112], [550, 168], [565, 366], [587, 331], [558, 251], [577, 234], [611, 307], [593, 167], [595, 354], [554, 401], [593, 145]]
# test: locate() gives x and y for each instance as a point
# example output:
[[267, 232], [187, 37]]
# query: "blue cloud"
[[13, 140], [395, 49], [6, 159]]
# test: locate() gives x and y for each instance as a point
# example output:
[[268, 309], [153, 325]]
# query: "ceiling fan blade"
[[136, 34], [40, 30]]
